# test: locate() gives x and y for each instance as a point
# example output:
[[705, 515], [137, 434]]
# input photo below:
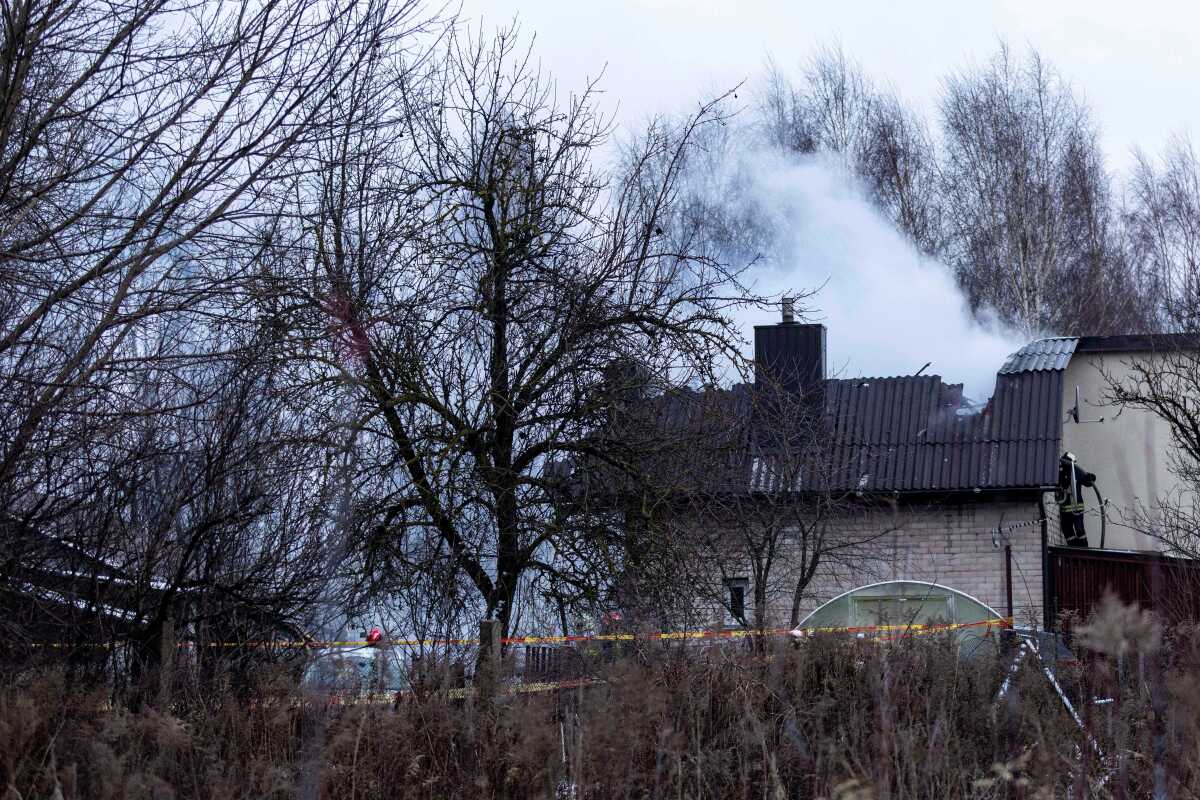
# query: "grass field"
[[832, 718]]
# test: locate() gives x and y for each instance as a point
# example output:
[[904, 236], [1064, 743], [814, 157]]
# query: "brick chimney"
[[791, 356]]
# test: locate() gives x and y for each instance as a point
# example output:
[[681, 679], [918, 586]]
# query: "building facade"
[[942, 492]]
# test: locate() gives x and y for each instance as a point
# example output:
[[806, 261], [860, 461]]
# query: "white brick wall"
[[949, 544]]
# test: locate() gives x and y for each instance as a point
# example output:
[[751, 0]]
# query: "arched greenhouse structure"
[[904, 603]]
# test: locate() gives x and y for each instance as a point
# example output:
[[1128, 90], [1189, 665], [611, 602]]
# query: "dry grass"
[[835, 718]]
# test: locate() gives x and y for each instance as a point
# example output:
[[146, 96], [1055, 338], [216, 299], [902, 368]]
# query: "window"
[[737, 598]]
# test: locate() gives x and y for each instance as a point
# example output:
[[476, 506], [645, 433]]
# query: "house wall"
[[1129, 452], [947, 544]]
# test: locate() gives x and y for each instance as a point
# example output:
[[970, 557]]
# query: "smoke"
[[888, 308]]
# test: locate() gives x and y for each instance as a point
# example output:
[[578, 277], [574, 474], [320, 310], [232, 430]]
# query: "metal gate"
[[1079, 578]]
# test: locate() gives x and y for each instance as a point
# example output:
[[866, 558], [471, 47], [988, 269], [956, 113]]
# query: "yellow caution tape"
[[740, 633]]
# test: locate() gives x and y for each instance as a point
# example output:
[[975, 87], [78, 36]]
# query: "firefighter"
[[1069, 496]]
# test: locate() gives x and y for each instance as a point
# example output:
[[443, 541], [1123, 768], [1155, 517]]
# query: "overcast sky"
[[1135, 64]]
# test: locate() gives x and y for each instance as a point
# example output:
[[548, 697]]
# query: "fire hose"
[[1103, 513]]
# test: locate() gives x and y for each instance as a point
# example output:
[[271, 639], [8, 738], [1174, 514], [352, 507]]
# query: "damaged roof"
[[907, 434], [911, 434], [901, 434]]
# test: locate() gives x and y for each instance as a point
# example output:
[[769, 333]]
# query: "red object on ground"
[[374, 636]]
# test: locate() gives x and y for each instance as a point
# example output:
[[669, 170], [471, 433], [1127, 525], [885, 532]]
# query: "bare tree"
[[1163, 224], [760, 514], [721, 211], [1164, 233], [196, 525], [1103, 289], [783, 113], [140, 143], [147, 457], [897, 160], [830, 110], [481, 274], [1029, 219]]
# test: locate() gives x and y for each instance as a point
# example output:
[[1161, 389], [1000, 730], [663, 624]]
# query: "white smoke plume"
[[888, 308]]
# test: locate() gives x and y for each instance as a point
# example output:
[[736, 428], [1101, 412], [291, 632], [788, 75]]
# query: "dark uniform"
[[1069, 495]]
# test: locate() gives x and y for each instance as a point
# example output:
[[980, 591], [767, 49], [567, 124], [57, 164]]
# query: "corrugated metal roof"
[[905, 434], [902, 434], [1043, 354]]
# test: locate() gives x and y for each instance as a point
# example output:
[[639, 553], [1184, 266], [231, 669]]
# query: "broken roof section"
[[900, 434], [905, 434], [880, 435]]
